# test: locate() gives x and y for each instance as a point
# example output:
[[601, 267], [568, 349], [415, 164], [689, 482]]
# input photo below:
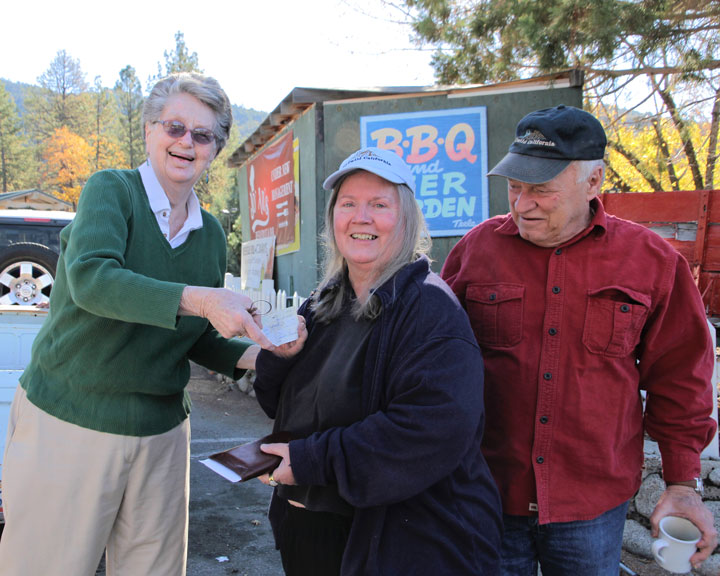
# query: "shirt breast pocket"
[[496, 313], [614, 320]]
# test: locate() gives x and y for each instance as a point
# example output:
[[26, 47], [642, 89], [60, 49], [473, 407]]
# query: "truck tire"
[[27, 273]]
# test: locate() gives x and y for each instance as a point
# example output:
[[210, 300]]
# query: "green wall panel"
[[330, 131], [504, 111]]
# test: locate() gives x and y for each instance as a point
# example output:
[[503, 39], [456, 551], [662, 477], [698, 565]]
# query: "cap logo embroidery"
[[365, 155], [534, 137]]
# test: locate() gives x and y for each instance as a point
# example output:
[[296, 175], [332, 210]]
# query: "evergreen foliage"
[[55, 134], [667, 50]]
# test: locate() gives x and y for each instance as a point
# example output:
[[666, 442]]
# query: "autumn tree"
[[665, 52], [15, 158], [68, 164], [129, 99], [639, 149], [63, 99]]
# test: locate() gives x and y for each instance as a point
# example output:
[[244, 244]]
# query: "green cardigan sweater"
[[112, 354]]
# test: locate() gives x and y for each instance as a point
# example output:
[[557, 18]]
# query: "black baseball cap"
[[548, 140]]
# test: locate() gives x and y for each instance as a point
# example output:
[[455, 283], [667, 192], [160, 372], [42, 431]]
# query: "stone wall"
[[637, 539]]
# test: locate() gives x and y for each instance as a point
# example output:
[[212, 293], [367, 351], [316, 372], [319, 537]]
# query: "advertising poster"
[[256, 261], [447, 153], [271, 195], [295, 246]]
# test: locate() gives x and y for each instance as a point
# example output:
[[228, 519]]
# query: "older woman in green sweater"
[[97, 455]]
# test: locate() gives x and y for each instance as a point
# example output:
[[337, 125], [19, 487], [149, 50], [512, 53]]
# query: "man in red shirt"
[[576, 312]]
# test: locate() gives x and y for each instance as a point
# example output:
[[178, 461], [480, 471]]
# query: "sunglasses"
[[176, 129]]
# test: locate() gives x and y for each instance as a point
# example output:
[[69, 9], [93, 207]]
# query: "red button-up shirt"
[[570, 335]]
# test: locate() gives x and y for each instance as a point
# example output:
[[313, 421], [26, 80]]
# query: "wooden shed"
[[450, 135]]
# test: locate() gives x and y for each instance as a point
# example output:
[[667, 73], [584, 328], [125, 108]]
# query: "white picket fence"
[[267, 293]]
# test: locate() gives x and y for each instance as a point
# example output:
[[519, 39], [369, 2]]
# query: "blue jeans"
[[586, 547]]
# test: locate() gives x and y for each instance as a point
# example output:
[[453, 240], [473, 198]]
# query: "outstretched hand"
[[230, 314]]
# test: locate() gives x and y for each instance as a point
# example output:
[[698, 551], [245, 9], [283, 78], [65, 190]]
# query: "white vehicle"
[[29, 250], [18, 327]]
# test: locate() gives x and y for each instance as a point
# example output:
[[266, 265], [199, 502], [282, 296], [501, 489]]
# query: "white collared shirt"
[[160, 205]]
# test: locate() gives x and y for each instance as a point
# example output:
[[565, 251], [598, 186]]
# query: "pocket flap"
[[621, 294], [494, 293]]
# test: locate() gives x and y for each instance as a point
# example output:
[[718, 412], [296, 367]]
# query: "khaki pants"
[[69, 493]]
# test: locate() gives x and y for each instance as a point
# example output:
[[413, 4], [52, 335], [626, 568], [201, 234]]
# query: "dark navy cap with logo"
[[548, 140]]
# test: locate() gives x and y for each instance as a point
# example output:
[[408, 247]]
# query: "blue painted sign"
[[447, 153]]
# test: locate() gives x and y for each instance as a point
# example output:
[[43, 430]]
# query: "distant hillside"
[[246, 119], [18, 90]]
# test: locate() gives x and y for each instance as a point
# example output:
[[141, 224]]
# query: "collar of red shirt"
[[598, 223]]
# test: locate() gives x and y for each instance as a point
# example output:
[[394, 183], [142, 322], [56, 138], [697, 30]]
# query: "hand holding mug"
[[676, 544]]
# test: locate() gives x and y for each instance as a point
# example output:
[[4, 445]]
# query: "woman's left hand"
[[283, 473], [292, 348]]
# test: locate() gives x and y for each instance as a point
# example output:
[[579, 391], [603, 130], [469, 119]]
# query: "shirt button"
[[493, 296], [552, 331], [539, 459], [164, 214], [547, 376], [556, 289], [624, 308], [543, 419], [558, 251]]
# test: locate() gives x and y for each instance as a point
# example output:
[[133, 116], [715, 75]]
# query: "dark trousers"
[[313, 543]]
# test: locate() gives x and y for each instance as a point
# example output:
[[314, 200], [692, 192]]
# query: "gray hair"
[[584, 168], [411, 240], [204, 88]]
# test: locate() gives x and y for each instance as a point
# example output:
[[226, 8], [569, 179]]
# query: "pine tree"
[[63, 100], [103, 138], [178, 60], [129, 98], [15, 158]]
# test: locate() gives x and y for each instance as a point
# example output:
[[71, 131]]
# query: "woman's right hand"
[[292, 348]]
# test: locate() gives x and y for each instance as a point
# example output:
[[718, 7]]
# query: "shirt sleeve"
[[676, 364], [219, 354], [94, 259], [451, 270]]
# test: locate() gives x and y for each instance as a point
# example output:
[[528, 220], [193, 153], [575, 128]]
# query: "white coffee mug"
[[676, 544]]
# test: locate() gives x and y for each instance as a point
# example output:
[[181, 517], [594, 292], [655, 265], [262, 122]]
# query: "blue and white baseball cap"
[[383, 163]]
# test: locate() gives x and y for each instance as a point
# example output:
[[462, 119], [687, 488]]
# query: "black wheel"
[[27, 273]]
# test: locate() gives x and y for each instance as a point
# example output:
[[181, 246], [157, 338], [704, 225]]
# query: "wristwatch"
[[696, 484]]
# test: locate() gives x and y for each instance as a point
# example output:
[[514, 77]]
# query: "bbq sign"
[[447, 152]]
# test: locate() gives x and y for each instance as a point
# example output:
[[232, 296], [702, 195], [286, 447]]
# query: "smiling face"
[[553, 212], [365, 220], [179, 162]]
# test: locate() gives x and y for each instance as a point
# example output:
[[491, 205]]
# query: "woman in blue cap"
[[385, 400]]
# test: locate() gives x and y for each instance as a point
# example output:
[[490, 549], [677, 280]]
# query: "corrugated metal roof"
[[300, 99]]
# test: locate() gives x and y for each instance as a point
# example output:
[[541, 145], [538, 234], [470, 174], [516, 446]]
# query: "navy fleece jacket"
[[424, 499]]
